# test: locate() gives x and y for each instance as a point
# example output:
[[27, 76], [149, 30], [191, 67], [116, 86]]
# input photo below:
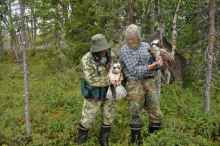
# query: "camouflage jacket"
[[96, 76]]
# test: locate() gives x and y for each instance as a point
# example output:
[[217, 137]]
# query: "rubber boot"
[[154, 127], [136, 138], [104, 135], [82, 135]]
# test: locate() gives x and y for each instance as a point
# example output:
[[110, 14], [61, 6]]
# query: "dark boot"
[[136, 138], [104, 134], [154, 127], [82, 135]]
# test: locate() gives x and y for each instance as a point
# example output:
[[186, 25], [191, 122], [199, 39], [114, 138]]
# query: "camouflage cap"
[[99, 43]]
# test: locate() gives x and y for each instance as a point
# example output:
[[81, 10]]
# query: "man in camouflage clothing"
[[94, 84], [139, 68]]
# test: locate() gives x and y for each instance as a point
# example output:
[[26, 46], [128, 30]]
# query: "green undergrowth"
[[56, 106]]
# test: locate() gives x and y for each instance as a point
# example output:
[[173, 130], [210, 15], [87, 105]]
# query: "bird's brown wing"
[[167, 58]]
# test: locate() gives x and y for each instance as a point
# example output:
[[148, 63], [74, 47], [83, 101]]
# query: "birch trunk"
[[174, 32], [210, 49], [23, 45], [131, 12], [1, 40]]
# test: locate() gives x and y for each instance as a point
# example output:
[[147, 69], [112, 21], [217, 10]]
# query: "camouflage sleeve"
[[114, 56], [88, 71]]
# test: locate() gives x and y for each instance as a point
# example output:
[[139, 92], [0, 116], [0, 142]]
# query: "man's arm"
[[88, 70], [135, 69]]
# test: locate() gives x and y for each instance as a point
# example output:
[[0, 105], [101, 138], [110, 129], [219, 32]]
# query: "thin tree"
[[131, 12], [1, 38], [160, 25], [157, 12], [210, 54], [174, 32], [23, 45], [33, 21]]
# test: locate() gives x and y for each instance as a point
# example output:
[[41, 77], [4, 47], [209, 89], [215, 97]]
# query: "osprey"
[[168, 59]]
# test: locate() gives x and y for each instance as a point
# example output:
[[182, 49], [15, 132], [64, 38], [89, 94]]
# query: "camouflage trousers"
[[92, 107], [142, 94]]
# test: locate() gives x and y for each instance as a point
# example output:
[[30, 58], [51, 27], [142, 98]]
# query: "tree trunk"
[[62, 18], [174, 32], [1, 40], [64, 12], [210, 54], [34, 27], [34, 23], [23, 45], [131, 12], [155, 15], [58, 27], [157, 12]]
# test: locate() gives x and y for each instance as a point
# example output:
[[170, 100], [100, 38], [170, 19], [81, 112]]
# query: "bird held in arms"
[[116, 90], [168, 59]]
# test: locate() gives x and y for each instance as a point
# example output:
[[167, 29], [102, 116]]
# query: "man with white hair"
[[139, 69]]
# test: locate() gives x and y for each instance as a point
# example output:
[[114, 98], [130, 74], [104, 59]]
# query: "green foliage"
[[54, 81], [56, 109], [99, 18]]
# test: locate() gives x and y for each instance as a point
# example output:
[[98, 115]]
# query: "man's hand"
[[158, 62]]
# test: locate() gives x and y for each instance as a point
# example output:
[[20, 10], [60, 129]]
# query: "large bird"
[[168, 59]]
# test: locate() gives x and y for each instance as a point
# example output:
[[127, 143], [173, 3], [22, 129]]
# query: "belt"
[[144, 78], [149, 77]]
